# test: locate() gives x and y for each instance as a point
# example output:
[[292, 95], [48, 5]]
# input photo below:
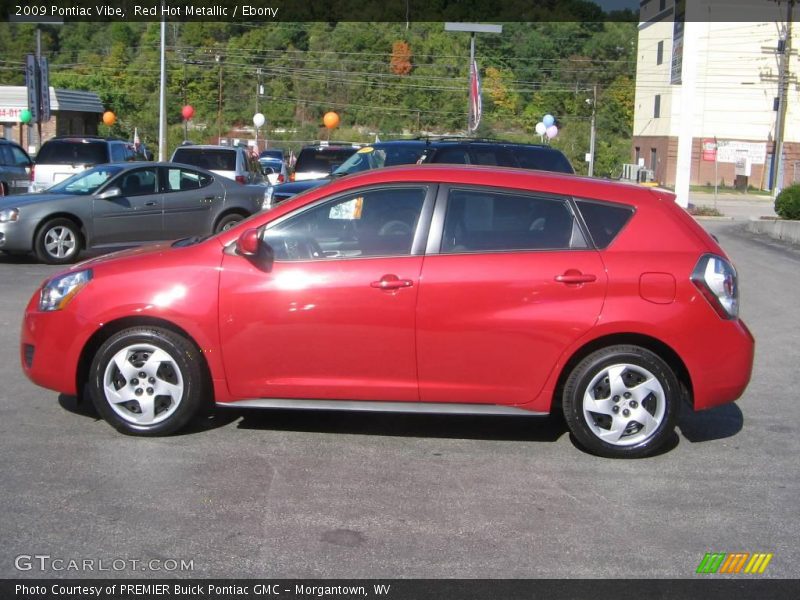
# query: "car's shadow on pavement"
[[213, 420], [478, 427], [713, 424]]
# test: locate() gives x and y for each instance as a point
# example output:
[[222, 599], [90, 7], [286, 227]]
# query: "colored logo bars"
[[737, 562]]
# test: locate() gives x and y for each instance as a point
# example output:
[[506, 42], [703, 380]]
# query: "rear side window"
[[495, 156], [453, 156], [207, 158], [486, 221], [322, 160], [604, 221], [543, 159], [63, 152]]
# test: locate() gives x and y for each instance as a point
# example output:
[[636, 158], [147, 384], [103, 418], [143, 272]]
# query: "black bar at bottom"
[[703, 587]]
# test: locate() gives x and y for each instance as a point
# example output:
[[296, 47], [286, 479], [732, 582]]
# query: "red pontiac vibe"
[[446, 289]]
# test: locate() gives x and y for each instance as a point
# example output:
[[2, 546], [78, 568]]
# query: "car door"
[[508, 282], [188, 198], [19, 169], [333, 317], [133, 216]]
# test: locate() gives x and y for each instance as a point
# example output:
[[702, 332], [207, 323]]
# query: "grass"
[[709, 189], [704, 211]]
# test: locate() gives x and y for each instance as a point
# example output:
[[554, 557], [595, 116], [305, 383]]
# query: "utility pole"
[[593, 131], [785, 50], [162, 96], [218, 58]]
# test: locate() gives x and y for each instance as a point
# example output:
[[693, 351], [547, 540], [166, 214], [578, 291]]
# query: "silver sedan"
[[120, 205]]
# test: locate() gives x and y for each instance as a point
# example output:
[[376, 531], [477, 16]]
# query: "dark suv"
[[15, 168], [64, 156], [434, 150]]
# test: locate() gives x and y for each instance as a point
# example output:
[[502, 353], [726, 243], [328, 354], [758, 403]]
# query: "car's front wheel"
[[622, 402], [227, 222], [148, 381], [57, 242]]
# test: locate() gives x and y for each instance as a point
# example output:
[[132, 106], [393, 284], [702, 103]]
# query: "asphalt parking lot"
[[313, 494]]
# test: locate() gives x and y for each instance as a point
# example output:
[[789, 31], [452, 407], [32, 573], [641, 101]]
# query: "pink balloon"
[[551, 132]]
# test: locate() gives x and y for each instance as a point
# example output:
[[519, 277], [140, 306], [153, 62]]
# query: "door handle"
[[391, 282], [573, 276], [150, 203]]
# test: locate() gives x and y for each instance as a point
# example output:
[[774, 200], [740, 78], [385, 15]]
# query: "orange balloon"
[[331, 120], [109, 118]]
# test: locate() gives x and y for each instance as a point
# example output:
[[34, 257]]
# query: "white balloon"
[[541, 128], [259, 120]]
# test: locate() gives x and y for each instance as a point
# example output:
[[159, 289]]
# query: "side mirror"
[[248, 242], [113, 192], [250, 245]]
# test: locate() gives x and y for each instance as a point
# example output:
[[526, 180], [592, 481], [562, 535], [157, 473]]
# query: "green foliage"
[[787, 203], [307, 69]]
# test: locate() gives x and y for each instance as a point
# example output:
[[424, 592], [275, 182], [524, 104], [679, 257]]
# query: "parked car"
[[274, 170], [320, 160], [123, 205], [450, 289], [276, 153], [64, 156], [435, 150], [233, 162], [15, 168]]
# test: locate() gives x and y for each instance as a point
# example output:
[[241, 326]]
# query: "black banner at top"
[[243, 11]]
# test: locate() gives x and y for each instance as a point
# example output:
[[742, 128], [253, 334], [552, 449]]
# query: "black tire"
[[228, 221], [170, 364], [607, 400], [58, 242]]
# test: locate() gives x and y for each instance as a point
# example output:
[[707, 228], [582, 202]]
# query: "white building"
[[732, 87]]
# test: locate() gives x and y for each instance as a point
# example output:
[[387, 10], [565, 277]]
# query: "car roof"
[[507, 177]]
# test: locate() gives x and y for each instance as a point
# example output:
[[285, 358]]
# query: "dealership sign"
[[729, 151]]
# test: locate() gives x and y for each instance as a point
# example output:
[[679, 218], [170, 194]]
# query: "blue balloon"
[[548, 120]]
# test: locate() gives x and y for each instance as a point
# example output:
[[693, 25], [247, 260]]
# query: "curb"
[[785, 231]]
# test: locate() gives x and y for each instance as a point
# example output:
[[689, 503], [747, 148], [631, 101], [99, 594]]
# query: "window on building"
[[662, 4], [657, 106], [653, 159], [638, 155], [660, 53]]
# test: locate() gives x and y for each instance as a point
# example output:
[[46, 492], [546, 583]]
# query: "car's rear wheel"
[[622, 402], [148, 381], [57, 242], [228, 221]]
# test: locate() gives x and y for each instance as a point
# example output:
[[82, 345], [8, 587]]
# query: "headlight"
[[9, 215], [267, 203], [58, 292]]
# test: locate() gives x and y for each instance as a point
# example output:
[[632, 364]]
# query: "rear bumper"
[[721, 370]]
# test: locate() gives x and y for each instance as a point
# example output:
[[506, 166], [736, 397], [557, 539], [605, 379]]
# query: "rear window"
[[604, 221], [69, 152], [323, 160], [207, 158], [544, 159]]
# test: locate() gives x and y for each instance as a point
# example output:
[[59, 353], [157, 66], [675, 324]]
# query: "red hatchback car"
[[425, 289]]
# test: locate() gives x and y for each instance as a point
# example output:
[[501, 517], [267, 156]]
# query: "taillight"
[[241, 179], [281, 178], [716, 279], [33, 170], [291, 177]]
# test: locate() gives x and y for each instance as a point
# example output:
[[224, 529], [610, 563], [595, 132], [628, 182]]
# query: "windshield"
[[363, 160], [86, 182]]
